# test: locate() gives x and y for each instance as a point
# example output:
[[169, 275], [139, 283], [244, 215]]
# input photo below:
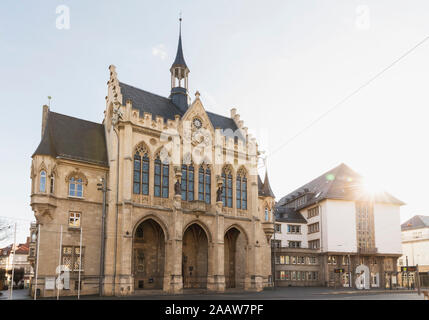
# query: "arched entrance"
[[149, 255], [235, 258], [195, 257]]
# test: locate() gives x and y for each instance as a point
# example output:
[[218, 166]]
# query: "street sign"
[[339, 270]]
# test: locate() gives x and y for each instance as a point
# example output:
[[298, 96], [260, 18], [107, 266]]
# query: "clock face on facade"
[[197, 123]]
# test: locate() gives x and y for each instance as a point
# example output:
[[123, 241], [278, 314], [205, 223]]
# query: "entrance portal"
[[195, 257], [235, 258], [149, 256]]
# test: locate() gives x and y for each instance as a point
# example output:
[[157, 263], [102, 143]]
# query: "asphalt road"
[[291, 293]]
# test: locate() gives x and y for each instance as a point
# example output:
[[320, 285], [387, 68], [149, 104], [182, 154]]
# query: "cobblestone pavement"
[[21, 294], [291, 293]]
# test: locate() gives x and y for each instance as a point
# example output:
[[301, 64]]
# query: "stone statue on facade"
[[219, 193], [177, 188]]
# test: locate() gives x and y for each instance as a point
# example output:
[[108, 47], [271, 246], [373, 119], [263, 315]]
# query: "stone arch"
[[202, 225], [149, 244], [239, 228], [235, 256], [195, 247], [158, 220]]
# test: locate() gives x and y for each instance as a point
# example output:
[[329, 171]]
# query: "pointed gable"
[[416, 222]]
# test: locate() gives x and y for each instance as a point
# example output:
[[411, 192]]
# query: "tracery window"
[[161, 181], [141, 172], [241, 190], [187, 182], [227, 187], [204, 184]]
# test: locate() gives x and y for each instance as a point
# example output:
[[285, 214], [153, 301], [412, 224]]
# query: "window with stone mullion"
[[187, 184]]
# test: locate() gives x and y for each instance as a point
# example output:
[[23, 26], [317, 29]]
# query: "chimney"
[[44, 118]]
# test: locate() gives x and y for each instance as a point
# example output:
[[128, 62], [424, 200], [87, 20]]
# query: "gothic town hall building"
[[163, 194]]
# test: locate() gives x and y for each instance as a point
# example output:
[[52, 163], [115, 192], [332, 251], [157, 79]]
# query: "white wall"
[[415, 245], [339, 222], [387, 228]]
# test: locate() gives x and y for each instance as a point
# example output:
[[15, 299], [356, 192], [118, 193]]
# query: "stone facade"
[[168, 241]]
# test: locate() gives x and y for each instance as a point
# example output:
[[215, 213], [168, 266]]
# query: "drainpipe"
[[274, 252]]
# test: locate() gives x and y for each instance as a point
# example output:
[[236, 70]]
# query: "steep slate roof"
[[416, 222], [340, 183], [145, 101], [75, 139], [180, 60], [285, 214], [264, 188]]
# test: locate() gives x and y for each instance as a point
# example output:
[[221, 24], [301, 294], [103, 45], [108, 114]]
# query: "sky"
[[282, 64]]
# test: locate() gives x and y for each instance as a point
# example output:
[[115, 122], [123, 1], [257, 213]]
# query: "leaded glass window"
[[187, 182], [141, 173], [43, 181], [241, 190], [204, 185], [161, 182], [227, 188]]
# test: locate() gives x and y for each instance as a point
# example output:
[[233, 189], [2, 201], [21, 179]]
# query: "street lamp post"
[[103, 188]]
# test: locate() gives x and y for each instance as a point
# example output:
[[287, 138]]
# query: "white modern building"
[[333, 224], [415, 243], [415, 248]]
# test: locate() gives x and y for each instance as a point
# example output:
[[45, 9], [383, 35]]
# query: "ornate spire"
[[266, 187], [179, 76], [180, 60]]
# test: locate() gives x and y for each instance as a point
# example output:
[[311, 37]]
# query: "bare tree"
[[5, 229]]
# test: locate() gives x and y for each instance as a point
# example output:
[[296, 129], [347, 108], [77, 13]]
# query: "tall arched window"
[[204, 184], [141, 173], [187, 182], [52, 186], [76, 187], [42, 181], [267, 216], [161, 178], [241, 191], [227, 187]]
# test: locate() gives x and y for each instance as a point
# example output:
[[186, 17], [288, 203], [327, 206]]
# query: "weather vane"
[[49, 101]]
